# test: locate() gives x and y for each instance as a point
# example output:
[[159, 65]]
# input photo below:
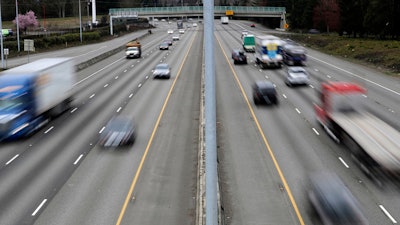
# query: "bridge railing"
[[194, 9]]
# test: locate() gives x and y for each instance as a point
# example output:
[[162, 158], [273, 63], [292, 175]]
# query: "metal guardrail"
[[195, 9]]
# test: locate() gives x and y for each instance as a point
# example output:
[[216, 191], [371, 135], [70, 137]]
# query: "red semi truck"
[[373, 143]]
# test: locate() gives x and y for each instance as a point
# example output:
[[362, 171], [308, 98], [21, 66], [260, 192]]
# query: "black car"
[[333, 202], [238, 56], [119, 131], [264, 92]]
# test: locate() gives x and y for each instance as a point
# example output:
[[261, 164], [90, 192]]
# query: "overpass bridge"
[[197, 11]]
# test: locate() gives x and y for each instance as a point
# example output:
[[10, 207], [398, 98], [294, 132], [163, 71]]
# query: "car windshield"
[[162, 67], [119, 124], [297, 73]]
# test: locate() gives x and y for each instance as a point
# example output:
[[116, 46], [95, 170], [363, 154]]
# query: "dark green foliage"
[[43, 43]]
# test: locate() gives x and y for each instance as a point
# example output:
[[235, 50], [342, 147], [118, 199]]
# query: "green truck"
[[249, 43], [7, 32]]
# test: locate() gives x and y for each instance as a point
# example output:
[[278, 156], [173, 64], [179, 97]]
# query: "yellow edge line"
[[296, 209], [132, 187]]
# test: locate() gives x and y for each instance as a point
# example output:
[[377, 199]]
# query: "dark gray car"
[[264, 92], [119, 131], [238, 56], [333, 202]]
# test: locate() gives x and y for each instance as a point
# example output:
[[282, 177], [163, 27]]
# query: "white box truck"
[[224, 20]]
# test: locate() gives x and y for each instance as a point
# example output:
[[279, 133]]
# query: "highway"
[[60, 175]]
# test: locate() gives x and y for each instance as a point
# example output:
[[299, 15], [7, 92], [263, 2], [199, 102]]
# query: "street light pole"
[[80, 21], [17, 22], [88, 5], [1, 42]]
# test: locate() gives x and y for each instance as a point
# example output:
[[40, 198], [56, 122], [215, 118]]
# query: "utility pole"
[[93, 11], [87, 7], [80, 21], [1, 37], [17, 21]]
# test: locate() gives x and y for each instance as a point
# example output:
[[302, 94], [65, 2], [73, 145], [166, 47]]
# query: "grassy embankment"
[[383, 55]]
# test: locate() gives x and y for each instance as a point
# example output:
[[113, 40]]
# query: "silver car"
[[175, 38], [162, 71], [297, 76]]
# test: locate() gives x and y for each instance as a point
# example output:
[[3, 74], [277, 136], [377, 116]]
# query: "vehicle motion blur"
[[32, 94], [372, 142]]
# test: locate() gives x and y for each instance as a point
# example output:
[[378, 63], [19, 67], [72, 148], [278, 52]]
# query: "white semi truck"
[[33, 93]]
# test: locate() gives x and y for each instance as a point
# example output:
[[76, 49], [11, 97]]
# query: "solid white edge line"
[[387, 214], [77, 160], [344, 163], [39, 207], [12, 159], [355, 75]]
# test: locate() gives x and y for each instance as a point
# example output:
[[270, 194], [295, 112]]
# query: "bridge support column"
[[111, 25], [283, 21]]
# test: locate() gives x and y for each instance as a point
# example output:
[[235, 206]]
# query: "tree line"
[[357, 18], [352, 17]]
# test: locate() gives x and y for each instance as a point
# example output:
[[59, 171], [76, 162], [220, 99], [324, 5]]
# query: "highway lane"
[[296, 129]]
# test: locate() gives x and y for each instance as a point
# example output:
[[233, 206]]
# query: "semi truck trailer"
[[373, 143], [34, 93]]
